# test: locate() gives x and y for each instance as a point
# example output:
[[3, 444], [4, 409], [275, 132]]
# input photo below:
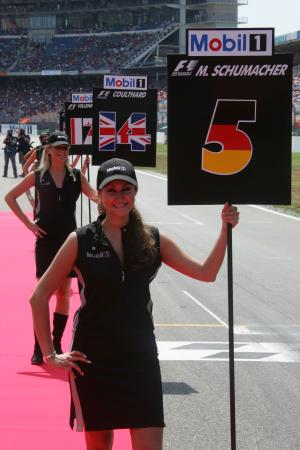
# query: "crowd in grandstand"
[[68, 53], [83, 52], [96, 41], [10, 50], [41, 98], [31, 97]]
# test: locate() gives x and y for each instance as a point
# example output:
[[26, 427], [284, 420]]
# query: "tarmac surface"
[[192, 331]]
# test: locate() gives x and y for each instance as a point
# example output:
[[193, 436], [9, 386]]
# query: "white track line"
[[271, 211], [160, 177], [151, 174], [205, 309]]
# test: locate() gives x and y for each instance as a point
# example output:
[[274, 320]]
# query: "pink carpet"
[[34, 400]]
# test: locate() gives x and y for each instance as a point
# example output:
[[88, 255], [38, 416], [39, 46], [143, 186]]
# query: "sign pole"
[[89, 201], [231, 337], [81, 195]]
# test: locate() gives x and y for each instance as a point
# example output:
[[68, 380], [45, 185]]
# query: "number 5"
[[236, 146]]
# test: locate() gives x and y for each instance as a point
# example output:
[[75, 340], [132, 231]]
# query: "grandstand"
[[52, 48], [290, 43]]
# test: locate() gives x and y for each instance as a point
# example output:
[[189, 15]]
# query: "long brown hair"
[[142, 245]]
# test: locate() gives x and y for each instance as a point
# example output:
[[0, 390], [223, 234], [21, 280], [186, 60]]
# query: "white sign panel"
[[125, 82], [230, 42], [29, 128], [82, 97]]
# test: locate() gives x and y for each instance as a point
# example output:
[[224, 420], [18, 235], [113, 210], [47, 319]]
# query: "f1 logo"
[[103, 94], [187, 65]]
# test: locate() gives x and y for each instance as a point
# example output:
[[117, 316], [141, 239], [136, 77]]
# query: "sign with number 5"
[[236, 146], [229, 129]]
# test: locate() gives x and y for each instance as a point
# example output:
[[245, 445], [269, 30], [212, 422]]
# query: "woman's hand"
[[86, 161], [85, 164], [36, 230], [67, 360], [230, 214]]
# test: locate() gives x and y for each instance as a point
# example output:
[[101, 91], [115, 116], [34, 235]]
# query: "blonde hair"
[[143, 250], [45, 163]]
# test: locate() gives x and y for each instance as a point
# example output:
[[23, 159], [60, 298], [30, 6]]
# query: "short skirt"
[[45, 251], [121, 388]]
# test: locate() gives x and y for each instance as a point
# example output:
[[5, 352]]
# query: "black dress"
[[121, 388], [55, 213]]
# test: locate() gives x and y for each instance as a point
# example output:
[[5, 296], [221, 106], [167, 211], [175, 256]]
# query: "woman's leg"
[[6, 160], [61, 314], [147, 438], [13, 163], [63, 297], [99, 440]]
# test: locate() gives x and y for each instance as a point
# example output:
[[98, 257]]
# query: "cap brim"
[[57, 143], [117, 177]]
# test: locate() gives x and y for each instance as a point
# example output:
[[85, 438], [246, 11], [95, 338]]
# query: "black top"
[[39, 152], [24, 144], [116, 299], [11, 145], [55, 207]]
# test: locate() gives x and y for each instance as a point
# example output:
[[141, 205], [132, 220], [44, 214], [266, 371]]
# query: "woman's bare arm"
[[58, 270], [28, 162], [175, 257], [87, 189], [11, 199]]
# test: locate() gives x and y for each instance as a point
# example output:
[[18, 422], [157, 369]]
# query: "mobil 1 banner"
[[79, 124], [229, 129], [125, 126]]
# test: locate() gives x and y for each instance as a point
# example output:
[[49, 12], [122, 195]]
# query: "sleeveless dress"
[[55, 213], [121, 388]]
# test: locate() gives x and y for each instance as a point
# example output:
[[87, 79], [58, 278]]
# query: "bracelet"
[[50, 356]]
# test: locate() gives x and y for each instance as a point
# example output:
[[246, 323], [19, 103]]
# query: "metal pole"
[[88, 177], [81, 195], [231, 337]]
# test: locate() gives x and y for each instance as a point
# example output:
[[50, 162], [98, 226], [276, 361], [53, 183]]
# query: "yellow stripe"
[[225, 162]]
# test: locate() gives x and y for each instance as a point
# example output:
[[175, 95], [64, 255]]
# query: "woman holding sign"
[[113, 365], [58, 187]]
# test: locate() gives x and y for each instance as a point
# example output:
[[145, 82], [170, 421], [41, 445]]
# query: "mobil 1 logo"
[[230, 42]]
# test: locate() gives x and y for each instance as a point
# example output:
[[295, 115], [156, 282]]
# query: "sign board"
[[138, 83], [79, 126], [229, 129], [124, 126], [230, 42], [14, 127], [82, 97]]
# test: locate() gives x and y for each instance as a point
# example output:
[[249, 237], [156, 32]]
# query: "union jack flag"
[[138, 137], [107, 131]]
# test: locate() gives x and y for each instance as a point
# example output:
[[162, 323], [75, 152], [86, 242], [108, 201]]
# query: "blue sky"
[[283, 15]]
